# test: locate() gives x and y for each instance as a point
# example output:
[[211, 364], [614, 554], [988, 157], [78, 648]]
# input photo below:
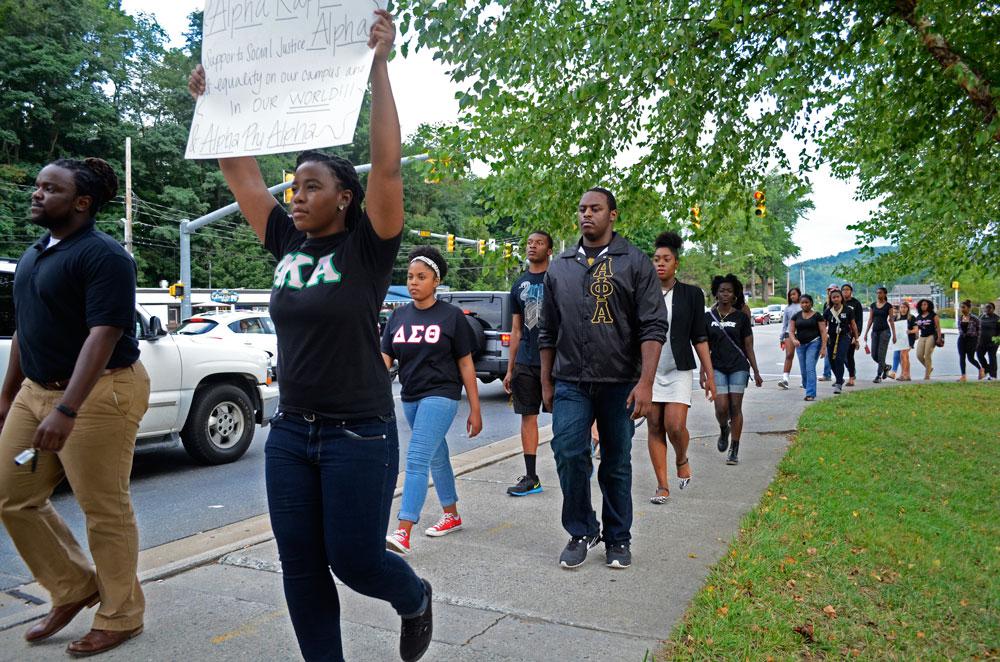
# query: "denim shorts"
[[732, 382]]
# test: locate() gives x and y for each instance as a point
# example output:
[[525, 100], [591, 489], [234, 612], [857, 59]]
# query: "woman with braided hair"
[[332, 455], [70, 407]]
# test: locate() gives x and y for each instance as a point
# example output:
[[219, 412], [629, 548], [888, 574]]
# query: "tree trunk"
[[975, 85]]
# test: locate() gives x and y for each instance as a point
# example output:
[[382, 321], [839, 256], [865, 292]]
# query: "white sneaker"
[[783, 383]]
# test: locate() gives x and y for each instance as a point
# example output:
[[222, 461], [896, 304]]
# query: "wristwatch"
[[66, 410]]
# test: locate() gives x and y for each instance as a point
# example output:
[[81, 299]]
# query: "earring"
[[341, 207]]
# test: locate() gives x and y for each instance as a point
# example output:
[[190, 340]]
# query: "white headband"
[[429, 262]]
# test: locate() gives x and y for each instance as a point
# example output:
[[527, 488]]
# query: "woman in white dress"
[[673, 384]]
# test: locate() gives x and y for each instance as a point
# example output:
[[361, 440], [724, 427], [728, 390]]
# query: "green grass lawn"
[[879, 539], [947, 322]]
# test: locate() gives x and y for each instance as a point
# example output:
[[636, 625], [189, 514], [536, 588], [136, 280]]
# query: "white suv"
[[211, 395], [247, 327]]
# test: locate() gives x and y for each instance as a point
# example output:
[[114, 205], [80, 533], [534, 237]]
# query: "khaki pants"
[[925, 348], [97, 461]]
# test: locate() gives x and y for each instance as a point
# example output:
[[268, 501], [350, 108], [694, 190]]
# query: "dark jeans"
[[574, 408], [852, 369], [839, 355], [988, 358], [329, 489], [967, 350], [880, 348]]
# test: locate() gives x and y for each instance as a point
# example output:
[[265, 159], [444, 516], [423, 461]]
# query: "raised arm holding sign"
[[329, 510]]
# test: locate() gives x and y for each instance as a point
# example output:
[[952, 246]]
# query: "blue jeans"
[[808, 356], [731, 382], [895, 360], [429, 418], [839, 356], [575, 407], [827, 366], [329, 489]]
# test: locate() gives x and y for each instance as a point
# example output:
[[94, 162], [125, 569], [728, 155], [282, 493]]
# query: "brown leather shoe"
[[59, 618], [98, 641]]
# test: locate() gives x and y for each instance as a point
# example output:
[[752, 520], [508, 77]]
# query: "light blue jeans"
[[808, 355], [429, 419]]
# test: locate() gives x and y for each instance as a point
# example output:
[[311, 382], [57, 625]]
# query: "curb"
[[179, 556]]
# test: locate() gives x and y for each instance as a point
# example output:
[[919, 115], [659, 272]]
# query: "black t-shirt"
[[428, 344], [838, 323], [325, 300], [728, 357], [526, 299], [988, 328], [806, 328], [911, 322], [880, 316], [926, 324], [62, 291]]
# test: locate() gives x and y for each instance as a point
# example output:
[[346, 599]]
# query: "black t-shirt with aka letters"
[[428, 343], [728, 357], [325, 299]]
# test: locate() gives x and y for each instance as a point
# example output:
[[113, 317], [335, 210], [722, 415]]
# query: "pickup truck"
[[211, 394], [489, 315]]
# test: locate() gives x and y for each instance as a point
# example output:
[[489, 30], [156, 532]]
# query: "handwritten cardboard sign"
[[281, 75]]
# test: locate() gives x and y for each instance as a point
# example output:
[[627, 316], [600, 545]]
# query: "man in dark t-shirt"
[[524, 366], [70, 407]]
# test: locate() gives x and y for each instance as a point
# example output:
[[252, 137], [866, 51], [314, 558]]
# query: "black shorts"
[[526, 387]]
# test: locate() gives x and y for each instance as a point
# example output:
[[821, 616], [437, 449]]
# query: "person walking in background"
[[785, 342], [730, 343], [989, 329], [968, 339], [881, 320], [928, 325], [672, 386], [827, 365], [807, 330], [603, 326], [70, 407], [523, 380], [903, 324], [433, 343], [330, 510], [857, 312], [842, 334]]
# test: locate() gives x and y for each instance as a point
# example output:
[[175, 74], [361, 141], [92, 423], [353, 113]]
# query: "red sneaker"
[[398, 541], [445, 525]]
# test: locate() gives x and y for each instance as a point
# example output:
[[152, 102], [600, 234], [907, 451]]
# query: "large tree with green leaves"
[[680, 103]]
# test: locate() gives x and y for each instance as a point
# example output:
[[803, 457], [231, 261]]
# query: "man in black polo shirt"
[[73, 396]]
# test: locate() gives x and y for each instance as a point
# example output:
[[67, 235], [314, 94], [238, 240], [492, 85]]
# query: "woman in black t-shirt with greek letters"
[[331, 459], [433, 343]]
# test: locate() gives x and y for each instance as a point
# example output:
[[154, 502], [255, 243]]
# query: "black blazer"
[[687, 327]]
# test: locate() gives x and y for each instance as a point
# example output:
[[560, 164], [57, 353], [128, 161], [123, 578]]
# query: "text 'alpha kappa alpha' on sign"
[[281, 75]]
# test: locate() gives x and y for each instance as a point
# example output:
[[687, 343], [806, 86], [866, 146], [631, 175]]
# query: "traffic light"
[[482, 246], [289, 193], [451, 243], [176, 290], [696, 217], [760, 209], [508, 249]]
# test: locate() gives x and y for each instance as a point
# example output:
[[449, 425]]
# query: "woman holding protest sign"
[[332, 454]]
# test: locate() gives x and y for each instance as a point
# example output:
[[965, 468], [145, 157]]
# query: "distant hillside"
[[820, 272]]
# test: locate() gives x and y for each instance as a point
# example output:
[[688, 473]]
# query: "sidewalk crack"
[[485, 630]]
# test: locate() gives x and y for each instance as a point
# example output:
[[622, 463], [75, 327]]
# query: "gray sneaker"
[[576, 549], [783, 384], [617, 556], [837, 389]]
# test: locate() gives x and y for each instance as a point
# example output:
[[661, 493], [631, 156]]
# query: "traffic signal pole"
[[188, 228]]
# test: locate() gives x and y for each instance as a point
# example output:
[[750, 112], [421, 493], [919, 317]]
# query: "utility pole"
[[128, 195]]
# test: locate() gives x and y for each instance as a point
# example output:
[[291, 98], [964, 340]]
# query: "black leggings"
[[988, 358], [967, 350]]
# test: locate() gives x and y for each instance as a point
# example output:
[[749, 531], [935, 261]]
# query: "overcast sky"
[[424, 94]]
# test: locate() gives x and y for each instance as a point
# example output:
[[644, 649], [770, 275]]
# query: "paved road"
[[175, 498]]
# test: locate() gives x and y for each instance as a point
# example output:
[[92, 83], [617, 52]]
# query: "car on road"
[[759, 316], [776, 311], [489, 315], [247, 327], [208, 395]]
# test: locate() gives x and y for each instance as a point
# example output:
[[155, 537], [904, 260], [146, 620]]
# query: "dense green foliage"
[[682, 103], [77, 78], [871, 546]]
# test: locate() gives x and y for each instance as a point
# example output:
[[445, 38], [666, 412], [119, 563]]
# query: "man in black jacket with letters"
[[603, 326]]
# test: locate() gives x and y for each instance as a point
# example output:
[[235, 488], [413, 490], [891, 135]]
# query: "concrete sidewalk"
[[499, 591]]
